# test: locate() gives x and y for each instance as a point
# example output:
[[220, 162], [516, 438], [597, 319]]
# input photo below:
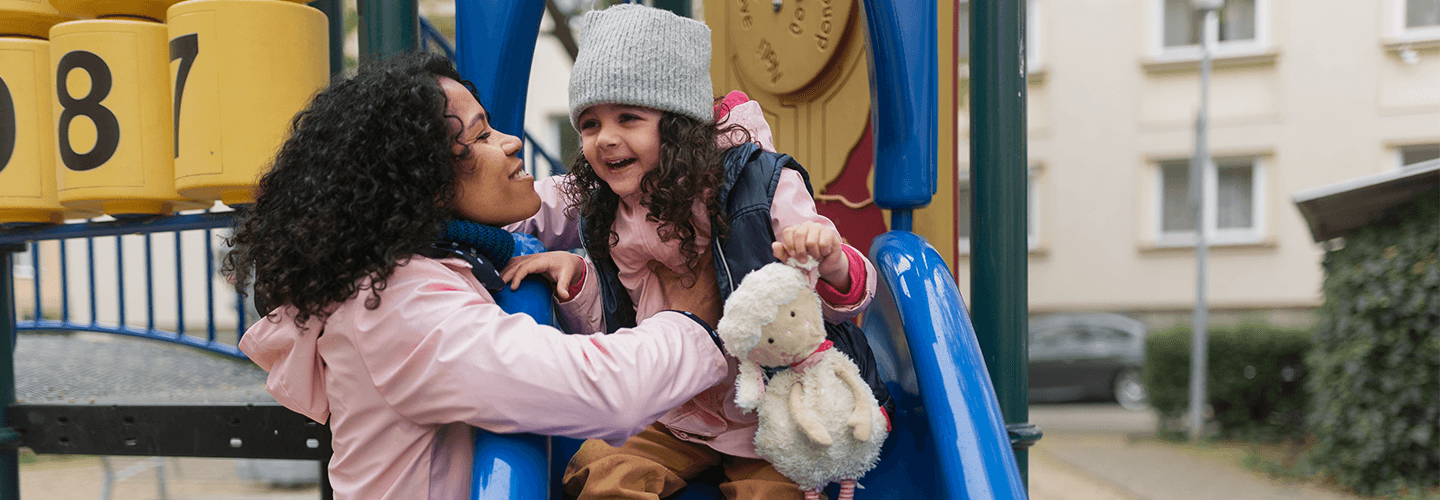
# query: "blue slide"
[[948, 441]]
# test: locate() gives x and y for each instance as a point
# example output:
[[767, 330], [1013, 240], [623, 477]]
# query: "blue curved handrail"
[[949, 439]]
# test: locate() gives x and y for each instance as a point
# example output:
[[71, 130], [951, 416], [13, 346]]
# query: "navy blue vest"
[[751, 175]]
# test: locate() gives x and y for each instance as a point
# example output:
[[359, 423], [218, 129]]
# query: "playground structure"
[[950, 440]]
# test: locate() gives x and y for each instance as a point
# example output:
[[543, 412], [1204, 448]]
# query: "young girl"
[[392, 337], [663, 198]]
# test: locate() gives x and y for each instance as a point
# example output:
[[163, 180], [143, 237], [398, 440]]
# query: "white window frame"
[[1223, 48], [22, 263], [1398, 30], [1032, 207], [1215, 236]]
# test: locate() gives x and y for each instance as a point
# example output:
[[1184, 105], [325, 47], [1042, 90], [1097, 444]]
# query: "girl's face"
[[622, 143], [492, 186]]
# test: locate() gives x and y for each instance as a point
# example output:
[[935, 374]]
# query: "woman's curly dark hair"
[[366, 179], [690, 168]]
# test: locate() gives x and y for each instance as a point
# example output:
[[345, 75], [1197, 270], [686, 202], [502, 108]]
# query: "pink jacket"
[[710, 418], [401, 385]]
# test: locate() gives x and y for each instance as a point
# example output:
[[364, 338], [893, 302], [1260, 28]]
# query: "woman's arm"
[[441, 351]]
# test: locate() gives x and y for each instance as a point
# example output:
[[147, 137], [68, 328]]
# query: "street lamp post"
[[1199, 165]]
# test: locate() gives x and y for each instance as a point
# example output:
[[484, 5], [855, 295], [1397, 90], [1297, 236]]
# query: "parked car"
[[1087, 356]]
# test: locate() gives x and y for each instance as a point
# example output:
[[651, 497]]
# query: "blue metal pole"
[[149, 285], [64, 284], [999, 175], [494, 45], [904, 91], [35, 264], [90, 271], [120, 276], [179, 287], [209, 287]]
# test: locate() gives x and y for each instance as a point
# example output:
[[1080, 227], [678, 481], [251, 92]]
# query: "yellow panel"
[[31, 18], [247, 77], [820, 122], [783, 51], [112, 91], [152, 9], [27, 158]]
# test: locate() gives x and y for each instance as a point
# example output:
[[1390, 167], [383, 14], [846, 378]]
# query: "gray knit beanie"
[[642, 56]]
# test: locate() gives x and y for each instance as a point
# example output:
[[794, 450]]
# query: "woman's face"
[[491, 184], [622, 144]]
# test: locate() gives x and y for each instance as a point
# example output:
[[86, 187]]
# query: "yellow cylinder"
[[32, 18], [241, 69], [114, 139], [152, 9], [27, 157]]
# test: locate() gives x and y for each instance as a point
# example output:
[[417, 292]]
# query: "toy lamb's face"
[[797, 330]]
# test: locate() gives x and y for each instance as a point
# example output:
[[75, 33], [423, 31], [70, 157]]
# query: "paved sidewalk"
[[1102, 452]]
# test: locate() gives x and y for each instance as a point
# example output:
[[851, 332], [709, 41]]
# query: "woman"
[[394, 337]]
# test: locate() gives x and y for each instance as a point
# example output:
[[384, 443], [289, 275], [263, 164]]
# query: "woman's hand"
[[813, 240], [563, 269]]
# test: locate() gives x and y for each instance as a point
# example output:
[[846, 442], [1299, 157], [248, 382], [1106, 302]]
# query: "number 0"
[[7, 125], [184, 48]]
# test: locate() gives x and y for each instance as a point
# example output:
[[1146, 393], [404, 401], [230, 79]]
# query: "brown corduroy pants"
[[654, 464]]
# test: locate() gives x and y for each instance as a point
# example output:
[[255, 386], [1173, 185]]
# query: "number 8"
[[107, 127]]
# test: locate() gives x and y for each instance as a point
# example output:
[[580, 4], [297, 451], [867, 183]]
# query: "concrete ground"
[[1104, 452]]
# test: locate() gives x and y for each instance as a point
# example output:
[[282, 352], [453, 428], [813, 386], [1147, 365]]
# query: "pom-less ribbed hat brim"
[[642, 56]]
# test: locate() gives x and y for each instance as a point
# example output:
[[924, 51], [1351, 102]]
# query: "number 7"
[[184, 48]]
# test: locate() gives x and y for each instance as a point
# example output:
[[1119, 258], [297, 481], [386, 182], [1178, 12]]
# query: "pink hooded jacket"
[[402, 384], [711, 418]]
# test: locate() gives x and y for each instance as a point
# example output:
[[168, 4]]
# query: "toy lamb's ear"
[[749, 386]]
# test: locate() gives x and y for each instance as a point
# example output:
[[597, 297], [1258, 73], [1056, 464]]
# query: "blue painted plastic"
[[949, 439], [515, 466], [495, 43], [903, 82]]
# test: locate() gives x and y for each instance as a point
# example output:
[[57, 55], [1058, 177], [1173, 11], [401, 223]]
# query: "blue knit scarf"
[[494, 243]]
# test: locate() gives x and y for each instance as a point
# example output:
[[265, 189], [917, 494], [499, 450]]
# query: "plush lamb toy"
[[819, 423]]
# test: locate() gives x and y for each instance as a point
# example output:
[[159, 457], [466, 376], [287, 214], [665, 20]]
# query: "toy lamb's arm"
[[860, 418], [805, 417]]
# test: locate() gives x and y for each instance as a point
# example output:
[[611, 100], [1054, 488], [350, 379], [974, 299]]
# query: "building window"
[[1416, 153], [1233, 208], [963, 201], [1242, 27], [1422, 14]]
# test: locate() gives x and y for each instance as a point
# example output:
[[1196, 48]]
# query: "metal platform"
[[104, 394]]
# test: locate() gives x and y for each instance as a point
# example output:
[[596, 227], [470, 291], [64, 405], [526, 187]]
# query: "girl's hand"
[[561, 268], [811, 240]]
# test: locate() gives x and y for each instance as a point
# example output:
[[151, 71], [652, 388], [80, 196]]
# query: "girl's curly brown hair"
[[366, 179], [690, 168]]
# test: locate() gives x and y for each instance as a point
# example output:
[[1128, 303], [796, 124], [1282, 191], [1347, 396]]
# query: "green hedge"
[[1256, 384], [1375, 369]]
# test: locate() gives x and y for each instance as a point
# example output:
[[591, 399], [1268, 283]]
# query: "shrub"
[[1256, 378], [1375, 369]]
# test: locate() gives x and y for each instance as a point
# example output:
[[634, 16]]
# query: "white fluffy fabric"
[[782, 442]]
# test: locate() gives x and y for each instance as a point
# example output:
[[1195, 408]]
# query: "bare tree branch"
[[562, 28]]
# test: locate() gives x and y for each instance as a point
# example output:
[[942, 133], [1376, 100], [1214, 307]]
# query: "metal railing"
[[103, 299]]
